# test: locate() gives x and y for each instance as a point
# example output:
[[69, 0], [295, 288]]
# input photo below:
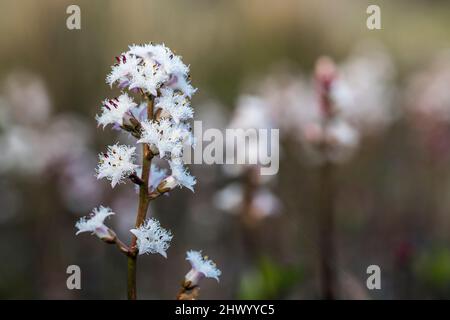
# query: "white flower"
[[151, 134], [179, 177], [364, 91], [114, 110], [150, 67], [165, 137], [152, 238], [340, 133], [161, 55], [342, 140], [149, 77], [116, 164], [94, 223], [175, 105], [201, 268], [182, 84], [156, 176]]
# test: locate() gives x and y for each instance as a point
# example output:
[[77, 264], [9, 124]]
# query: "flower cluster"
[[160, 76]]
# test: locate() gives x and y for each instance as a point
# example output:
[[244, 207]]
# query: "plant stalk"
[[144, 201]]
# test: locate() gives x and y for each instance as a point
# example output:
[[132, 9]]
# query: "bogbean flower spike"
[[154, 107]]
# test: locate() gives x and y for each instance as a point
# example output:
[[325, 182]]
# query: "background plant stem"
[[247, 218], [144, 201]]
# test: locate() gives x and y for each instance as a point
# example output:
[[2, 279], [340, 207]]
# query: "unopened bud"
[[325, 75], [192, 279]]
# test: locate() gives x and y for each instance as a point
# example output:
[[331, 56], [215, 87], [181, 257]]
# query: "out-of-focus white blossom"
[[292, 103], [175, 105], [339, 138], [251, 113], [116, 164], [202, 267], [78, 185], [229, 199], [20, 142], [95, 223], [11, 200], [362, 92], [32, 150], [34, 139], [160, 121], [114, 110], [156, 72], [152, 238], [265, 204]]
